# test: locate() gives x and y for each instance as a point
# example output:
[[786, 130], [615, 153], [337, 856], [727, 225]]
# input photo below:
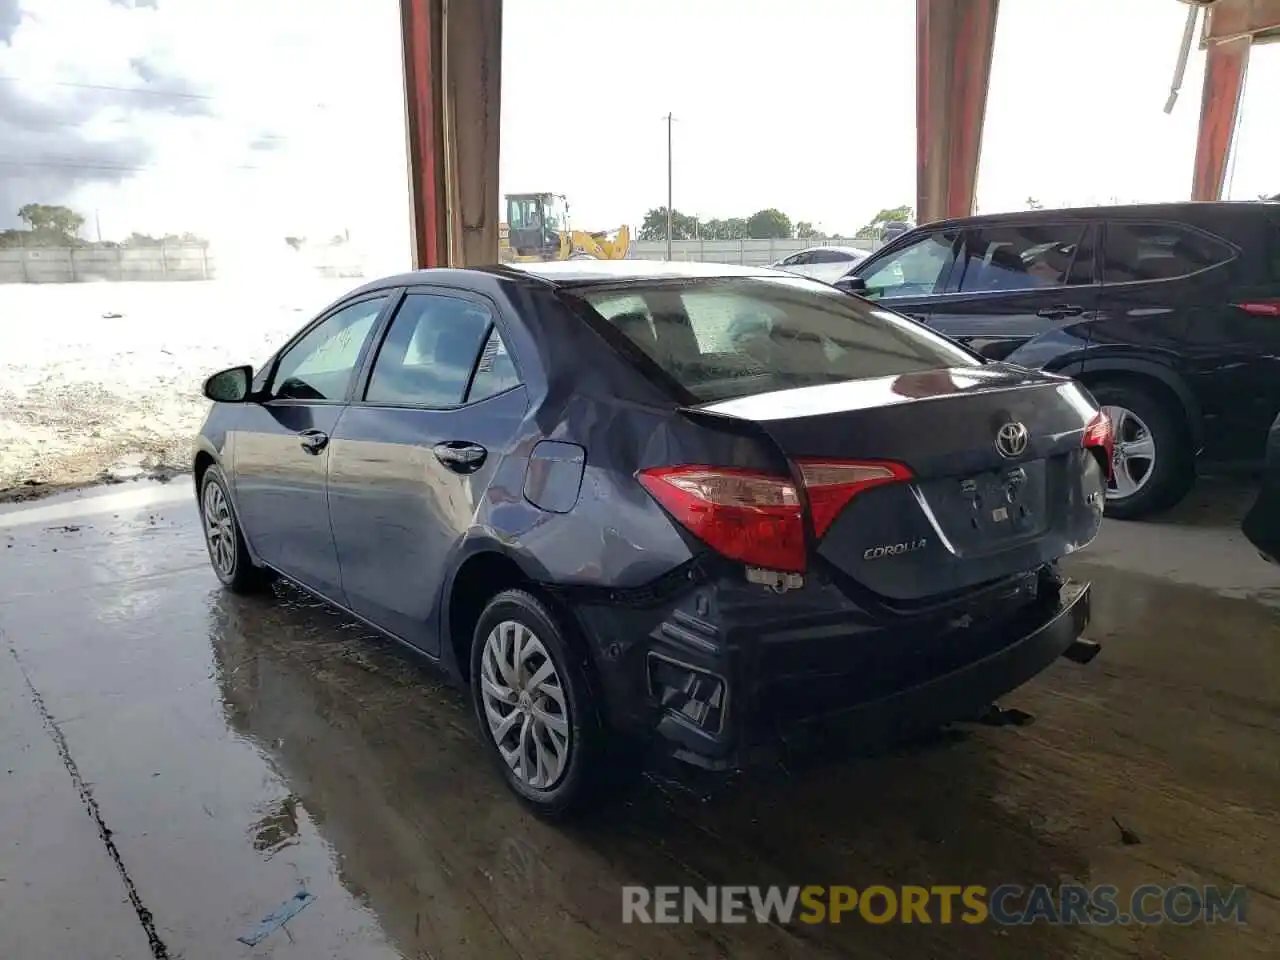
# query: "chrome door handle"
[[460, 456], [1060, 311], [313, 441]]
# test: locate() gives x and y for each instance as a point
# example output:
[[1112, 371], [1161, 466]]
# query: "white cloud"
[[259, 120], [286, 117]]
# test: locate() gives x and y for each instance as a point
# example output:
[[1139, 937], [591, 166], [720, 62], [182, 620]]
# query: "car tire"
[[541, 724], [228, 553], [1169, 475]]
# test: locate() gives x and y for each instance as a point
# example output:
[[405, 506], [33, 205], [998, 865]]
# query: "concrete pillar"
[[453, 72], [954, 42], [473, 103], [1231, 28], [1224, 72]]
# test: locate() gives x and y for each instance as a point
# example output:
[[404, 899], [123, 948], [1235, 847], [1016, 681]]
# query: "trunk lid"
[[1000, 480]]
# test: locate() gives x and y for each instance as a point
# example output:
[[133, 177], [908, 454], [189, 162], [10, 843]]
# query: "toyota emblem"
[[1012, 439]]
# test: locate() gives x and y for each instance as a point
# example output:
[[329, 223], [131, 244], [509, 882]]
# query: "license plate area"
[[991, 509]]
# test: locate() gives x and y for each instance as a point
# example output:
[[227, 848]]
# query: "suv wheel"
[[1152, 467], [537, 715], [228, 554]]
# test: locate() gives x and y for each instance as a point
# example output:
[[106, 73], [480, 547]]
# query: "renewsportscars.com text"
[[1008, 904]]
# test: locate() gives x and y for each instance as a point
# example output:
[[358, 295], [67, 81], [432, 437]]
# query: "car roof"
[[1143, 211], [568, 273], [575, 272]]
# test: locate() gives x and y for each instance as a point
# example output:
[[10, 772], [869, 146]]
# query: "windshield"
[[554, 212], [725, 338], [536, 213], [522, 214]]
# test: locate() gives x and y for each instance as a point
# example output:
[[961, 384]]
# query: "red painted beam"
[[1224, 73], [954, 43], [421, 30]]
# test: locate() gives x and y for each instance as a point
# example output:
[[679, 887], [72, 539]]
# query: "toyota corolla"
[[687, 506]]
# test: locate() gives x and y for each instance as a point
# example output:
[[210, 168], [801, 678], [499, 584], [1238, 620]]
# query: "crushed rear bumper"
[[726, 692]]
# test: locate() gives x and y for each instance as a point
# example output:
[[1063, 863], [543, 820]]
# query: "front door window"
[[913, 271], [321, 365]]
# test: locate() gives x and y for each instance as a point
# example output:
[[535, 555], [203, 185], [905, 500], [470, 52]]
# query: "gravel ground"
[[101, 381]]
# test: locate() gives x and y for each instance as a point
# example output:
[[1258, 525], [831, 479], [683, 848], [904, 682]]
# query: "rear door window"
[[828, 256], [1022, 257], [1158, 251], [495, 371], [430, 352], [725, 338]]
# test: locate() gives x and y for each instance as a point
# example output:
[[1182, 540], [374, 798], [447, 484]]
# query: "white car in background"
[[828, 264]]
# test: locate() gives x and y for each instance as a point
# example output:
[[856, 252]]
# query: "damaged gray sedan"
[[686, 506]]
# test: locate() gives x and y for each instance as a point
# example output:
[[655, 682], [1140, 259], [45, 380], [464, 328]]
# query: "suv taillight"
[[1260, 308], [1100, 436], [756, 517]]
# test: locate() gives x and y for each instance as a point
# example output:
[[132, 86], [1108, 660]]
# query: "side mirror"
[[232, 385], [852, 285]]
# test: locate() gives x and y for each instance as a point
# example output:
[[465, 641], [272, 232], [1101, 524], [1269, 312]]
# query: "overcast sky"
[[249, 120]]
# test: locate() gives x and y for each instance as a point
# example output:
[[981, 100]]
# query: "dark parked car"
[[618, 524], [1169, 314], [1262, 523], [894, 229]]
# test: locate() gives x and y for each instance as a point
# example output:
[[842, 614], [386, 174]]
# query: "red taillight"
[[753, 517], [831, 484], [758, 518], [1098, 434], [1260, 308]]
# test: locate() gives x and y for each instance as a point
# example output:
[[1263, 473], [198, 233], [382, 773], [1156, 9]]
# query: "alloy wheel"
[[1133, 460], [219, 529], [525, 705]]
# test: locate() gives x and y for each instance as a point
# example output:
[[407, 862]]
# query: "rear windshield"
[[726, 338]]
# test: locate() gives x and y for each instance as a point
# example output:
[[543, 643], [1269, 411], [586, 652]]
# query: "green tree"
[[807, 231], [769, 224], [654, 226], [712, 229], [887, 215], [51, 221], [734, 228]]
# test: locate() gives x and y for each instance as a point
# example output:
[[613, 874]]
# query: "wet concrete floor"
[[176, 763]]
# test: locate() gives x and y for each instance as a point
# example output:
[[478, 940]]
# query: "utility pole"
[[97, 221], [670, 119]]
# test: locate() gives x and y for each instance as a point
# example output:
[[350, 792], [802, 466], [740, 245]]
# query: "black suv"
[[1169, 313]]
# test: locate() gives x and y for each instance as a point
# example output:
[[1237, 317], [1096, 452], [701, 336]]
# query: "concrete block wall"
[[79, 264]]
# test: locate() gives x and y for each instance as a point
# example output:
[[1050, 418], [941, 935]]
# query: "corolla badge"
[[1012, 440], [893, 549]]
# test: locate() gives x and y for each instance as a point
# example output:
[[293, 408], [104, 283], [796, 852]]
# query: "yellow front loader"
[[537, 229]]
